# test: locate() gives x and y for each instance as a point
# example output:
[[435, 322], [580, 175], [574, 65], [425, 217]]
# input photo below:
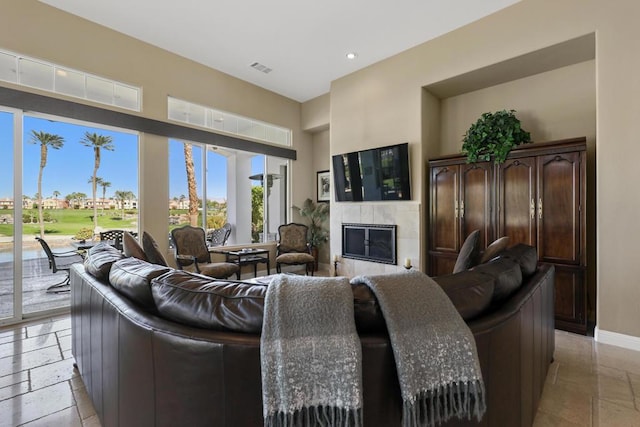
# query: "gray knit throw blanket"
[[310, 354], [436, 359]]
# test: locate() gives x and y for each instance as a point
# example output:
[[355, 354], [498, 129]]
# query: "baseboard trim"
[[620, 340]]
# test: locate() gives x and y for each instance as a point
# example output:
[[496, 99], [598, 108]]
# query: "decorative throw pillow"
[[195, 300], [152, 251], [468, 255], [100, 258], [494, 249], [131, 247], [132, 277]]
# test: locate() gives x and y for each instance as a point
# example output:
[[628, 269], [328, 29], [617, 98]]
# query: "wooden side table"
[[247, 257]]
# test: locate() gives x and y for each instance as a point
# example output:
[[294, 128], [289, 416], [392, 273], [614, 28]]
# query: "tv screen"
[[346, 177], [375, 174]]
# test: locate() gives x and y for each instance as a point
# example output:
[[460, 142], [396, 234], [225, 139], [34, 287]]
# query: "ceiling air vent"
[[258, 66]]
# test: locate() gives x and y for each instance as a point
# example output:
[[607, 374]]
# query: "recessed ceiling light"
[[352, 55]]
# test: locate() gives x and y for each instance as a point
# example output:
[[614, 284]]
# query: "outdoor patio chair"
[[60, 261], [192, 251], [219, 236], [293, 247], [115, 237]]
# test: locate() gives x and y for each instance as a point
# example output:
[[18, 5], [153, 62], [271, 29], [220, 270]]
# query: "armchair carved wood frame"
[[191, 250], [293, 248]]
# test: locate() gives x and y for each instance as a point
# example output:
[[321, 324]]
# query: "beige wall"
[[321, 161], [32, 28], [553, 105], [315, 114], [382, 104]]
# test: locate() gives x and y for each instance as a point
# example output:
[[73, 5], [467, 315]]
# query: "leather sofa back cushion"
[[526, 256], [132, 277], [100, 258], [470, 292], [366, 310], [507, 276], [198, 301]]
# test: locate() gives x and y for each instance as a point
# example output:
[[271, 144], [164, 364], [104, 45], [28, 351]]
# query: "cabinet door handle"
[[532, 209], [462, 209], [455, 209], [540, 208]]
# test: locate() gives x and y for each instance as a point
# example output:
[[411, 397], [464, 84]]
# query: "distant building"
[[179, 204], [6, 203]]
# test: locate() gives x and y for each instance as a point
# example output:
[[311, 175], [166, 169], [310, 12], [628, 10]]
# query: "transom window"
[[188, 112], [26, 71]]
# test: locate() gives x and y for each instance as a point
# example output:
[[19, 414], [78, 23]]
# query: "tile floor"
[[589, 384]]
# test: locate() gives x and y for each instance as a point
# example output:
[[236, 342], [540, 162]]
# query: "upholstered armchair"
[[192, 252], [293, 248]]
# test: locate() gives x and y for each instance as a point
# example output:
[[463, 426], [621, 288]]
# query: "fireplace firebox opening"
[[369, 242]]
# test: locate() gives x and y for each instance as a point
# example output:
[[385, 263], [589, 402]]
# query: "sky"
[[70, 168]]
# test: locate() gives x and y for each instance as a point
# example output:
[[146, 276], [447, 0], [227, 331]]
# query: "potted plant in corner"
[[493, 136], [315, 215]]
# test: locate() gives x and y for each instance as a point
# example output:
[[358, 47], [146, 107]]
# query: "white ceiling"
[[305, 42]]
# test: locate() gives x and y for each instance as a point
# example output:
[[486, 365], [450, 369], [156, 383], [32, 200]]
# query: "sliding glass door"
[[60, 182], [7, 215]]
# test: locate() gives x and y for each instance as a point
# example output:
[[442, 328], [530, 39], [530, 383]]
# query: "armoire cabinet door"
[[475, 201], [570, 299], [444, 208], [517, 200], [558, 204], [441, 263]]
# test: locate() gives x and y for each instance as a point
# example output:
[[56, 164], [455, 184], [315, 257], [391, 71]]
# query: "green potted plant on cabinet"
[[493, 136]]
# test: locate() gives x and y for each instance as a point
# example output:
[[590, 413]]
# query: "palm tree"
[[130, 196], [45, 140], [191, 183], [97, 142], [122, 196], [104, 184], [56, 194]]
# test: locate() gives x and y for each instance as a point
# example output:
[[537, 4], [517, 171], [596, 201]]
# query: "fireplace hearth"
[[369, 242]]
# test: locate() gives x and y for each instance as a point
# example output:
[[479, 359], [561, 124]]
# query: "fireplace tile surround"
[[405, 215]]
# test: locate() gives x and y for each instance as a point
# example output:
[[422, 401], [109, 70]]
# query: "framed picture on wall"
[[324, 186]]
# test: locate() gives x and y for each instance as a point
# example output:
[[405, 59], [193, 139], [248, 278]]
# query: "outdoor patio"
[[37, 277]]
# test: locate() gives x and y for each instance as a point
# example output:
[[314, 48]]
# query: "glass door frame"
[[16, 314]]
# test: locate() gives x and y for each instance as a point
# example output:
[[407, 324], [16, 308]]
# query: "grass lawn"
[[70, 221]]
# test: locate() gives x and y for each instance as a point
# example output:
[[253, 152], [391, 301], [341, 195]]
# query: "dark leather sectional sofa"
[[155, 358]]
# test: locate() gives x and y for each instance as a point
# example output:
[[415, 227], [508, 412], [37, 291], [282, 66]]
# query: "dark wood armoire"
[[537, 196]]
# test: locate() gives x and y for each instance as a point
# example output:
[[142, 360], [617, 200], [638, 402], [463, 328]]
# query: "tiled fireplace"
[[404, 216]]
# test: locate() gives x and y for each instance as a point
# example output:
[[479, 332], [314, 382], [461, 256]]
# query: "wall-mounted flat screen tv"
[[375, 174]]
